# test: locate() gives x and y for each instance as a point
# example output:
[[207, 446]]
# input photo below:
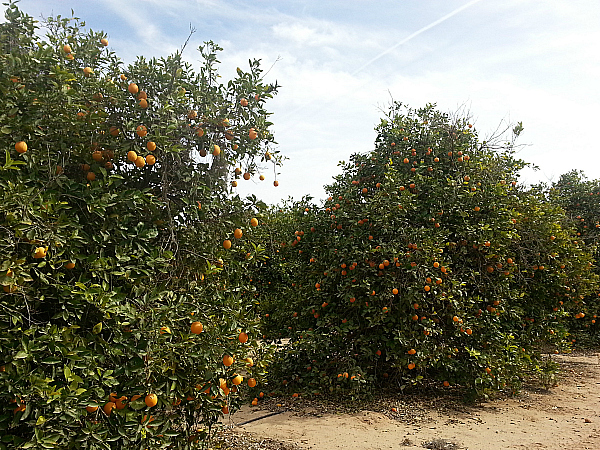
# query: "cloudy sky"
[[340, 63]]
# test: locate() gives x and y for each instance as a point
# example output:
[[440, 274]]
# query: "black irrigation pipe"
[[259, 418]]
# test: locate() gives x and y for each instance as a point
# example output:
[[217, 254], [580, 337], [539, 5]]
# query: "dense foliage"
[[119, 299], [427, 260]]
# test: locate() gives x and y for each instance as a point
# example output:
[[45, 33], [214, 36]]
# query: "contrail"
[[393, 47], [415, 34]]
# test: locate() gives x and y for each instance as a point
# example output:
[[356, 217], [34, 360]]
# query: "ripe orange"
[[412, 351], [133, 88], [247, 176], [243, 102], [70, 265], [237, 380], [140, 161], [67, 48], [275, 183], [108, 407], [251, 382], [200, 132], [141, 131], [254, 222], [411, 366], [143, 103], [446, 384], [132, 156], [227, 244], [21, 147], [225, 409], [216, 150], [197, 328], [91, 409], [243, 337], [114, 131], [150, 160], [237, 233], [234, 183], [104, 42], [87, 71], [252, 133], [151, 400], [261, 178], [227, 360], [395, 291], [97, 156]]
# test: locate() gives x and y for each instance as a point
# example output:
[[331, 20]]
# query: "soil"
[[566, 416]]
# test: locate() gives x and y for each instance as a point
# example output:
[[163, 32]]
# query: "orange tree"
[[426, 260], [578, 196], [123, 322]]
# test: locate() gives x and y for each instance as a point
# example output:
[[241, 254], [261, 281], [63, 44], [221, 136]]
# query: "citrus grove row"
[[139, 292]]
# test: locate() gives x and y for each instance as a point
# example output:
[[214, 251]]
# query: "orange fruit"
[[197, 328], [251, 382], [151, 400], [91, 176], [200, 132], [67, 48], [40, 252], [104, 42], [446, 384], [411, 366], [243, 337], [225, 409], [249, 362], [141, 131], [91, 409], [87, 71], [120, 403], [143, 103], [275, 183], [254, 222], [114, 131], [237, 380], [252, 134], [132, 156], [247, 176], [70, 265], [150, 160], [234, 183], [227, 244], [97, 156], [237, 233], [192, 114], [151, 146], [133, 88], [109, 407], [227, 360], [395, 291], [140, 162], [243, 102], [21, 147], [216, 150], [142, 95]]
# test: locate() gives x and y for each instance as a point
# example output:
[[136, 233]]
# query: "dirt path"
[[567, 418]]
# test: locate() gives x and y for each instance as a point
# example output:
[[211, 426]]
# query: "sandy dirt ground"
[[566, 417]]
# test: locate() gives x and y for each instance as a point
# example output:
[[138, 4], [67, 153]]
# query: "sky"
[[341, 63]]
